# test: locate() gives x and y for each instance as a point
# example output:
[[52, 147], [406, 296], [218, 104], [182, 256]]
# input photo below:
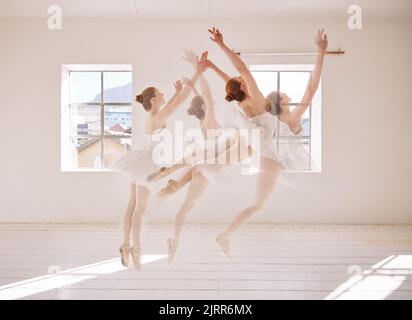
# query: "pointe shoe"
[[224, 242], [169, 189], [124, 255], [135, 253], [172, 247]]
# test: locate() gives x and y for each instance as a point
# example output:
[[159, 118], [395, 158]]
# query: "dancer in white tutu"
[[137, 165], [256, 107], [226, 148]]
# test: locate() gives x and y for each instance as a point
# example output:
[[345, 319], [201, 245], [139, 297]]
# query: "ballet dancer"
[[244, 90], [138, 164], [223, 148]]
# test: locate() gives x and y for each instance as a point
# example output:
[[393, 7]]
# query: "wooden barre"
[[333, 52]]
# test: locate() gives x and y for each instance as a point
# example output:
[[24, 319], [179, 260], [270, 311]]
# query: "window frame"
[[73, 136], [277, 70]]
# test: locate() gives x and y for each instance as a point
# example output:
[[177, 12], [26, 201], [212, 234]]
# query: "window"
[[96, 115], [303, 151]]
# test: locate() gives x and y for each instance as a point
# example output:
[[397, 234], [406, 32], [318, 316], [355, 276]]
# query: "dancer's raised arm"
[[313, 83], [187, 82], [237, 62], [191, 57], [210, 119], [181, 93], [218, 71], [160, 118]]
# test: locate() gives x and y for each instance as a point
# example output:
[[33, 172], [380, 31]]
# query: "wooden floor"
[[271, 262]]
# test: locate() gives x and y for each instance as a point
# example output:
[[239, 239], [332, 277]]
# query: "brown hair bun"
[[145, 97], [139, 98], [233, 90]]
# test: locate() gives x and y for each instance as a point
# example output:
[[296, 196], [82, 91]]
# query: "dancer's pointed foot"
[[135, 253], [124, 254], [224, 242], [172, 247], [171, 187]]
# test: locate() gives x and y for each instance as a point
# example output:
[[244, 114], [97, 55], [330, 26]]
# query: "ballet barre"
[[334, 52]]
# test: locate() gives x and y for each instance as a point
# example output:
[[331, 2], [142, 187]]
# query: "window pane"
[[294, 84], [84, 86], [85, 119], [114, 146], [118, 132], [117, 120], [266, 81], [117, 87], [88, 152]]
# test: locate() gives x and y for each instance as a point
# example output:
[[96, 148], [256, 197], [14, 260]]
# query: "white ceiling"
[[195, 9]]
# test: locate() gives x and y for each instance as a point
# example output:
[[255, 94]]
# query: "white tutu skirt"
[[294, 157], [137, 165]]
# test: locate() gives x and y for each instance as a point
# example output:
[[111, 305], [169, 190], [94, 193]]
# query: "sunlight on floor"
[[376, 283], [37, 285]]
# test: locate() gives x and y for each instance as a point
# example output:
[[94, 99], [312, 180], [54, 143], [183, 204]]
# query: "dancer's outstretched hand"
[[322, 40], [178, 86], [190, 57], [217, 36], [202, 63], [193, 59]]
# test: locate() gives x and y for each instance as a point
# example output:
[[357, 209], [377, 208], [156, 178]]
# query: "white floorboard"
[[271, 262]]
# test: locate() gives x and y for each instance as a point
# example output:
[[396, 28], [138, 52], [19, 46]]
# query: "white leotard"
[[267, 123]]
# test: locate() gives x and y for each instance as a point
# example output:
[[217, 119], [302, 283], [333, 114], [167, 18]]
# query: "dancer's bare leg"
[[197, 186], [142, 195], [127, 218], [184, 180], [265, 182], [126, 223]]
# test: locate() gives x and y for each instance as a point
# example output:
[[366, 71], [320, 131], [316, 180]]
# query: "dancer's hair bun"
[[145, 98], [191, 111], [234, 90], [230, 97], [197, 107], [139, 98], [274, 99]]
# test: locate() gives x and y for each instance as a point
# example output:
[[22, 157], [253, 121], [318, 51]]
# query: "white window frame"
[[315, 129], [67, 153]]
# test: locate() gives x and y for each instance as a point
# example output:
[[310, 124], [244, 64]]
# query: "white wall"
[[366, 116]]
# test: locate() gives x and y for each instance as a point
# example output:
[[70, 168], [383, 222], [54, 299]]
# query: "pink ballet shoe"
[[124, 255], [224, 242], [136, 255]]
